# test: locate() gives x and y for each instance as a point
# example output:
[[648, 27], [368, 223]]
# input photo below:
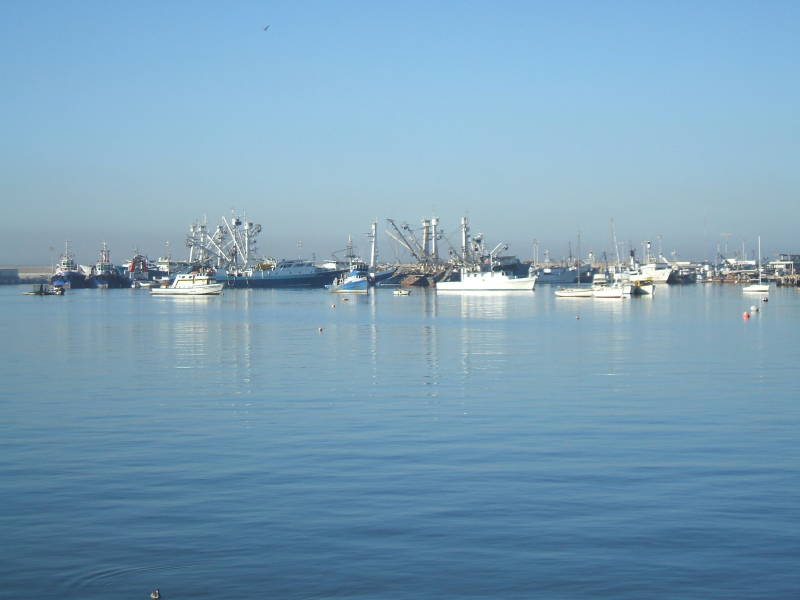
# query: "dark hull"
[[564, 275], [382, 277], [317, 280], [110, 281], [73, 281]]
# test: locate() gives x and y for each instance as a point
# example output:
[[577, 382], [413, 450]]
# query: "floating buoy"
[[745, 315], [754, 308], [346, 299], [765, 299], [333, 306], [320, 330], [155, 595], [578, 317]]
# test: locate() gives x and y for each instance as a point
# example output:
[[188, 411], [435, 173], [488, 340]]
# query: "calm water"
[[479, 446]]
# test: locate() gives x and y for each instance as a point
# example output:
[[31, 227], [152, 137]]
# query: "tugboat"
[[105, 274], [68, 274]]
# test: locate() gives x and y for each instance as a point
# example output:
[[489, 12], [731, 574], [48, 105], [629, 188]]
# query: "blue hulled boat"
[[356, 282]]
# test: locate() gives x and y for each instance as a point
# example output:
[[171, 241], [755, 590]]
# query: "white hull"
[[608, 292], [644, 289], [191, 284], [200, 290], [575, 293], [487, 281], [655, 273]]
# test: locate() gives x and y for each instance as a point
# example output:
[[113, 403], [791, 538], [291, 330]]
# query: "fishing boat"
[[283, 274], [561, 275], [474, 280], [356, 282], [190, 284], [105, 274], [759, 288], [68, 274], [401, 292]]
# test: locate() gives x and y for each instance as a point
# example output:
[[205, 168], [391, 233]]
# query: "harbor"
[[400, 300], [230, 252]]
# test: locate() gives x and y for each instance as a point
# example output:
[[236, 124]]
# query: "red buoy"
[[745, 315]]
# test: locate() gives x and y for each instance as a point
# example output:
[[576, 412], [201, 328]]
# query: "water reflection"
[[484, 304], [429, 302]]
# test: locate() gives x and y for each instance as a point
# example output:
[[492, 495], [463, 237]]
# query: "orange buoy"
[[745, 315]]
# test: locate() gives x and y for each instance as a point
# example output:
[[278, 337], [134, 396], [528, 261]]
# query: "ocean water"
[[451, 446]]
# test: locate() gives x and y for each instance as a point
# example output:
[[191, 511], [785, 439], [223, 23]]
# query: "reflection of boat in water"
[[356, 282], [491, 280], [190, 284]]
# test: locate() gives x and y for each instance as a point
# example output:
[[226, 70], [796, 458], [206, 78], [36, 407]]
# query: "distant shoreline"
[[27, 274]]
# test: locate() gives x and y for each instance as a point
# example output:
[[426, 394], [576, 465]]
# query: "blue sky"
[[126, 121]]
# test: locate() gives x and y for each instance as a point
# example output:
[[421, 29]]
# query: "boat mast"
[[759, 260], [434, 249], [373, 238], [464, 240]]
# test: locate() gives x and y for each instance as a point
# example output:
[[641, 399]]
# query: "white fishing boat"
[[759, 288], [401, 292], [190, 284], [484, 281]]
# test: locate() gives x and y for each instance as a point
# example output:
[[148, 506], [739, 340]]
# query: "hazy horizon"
[[127, 122]]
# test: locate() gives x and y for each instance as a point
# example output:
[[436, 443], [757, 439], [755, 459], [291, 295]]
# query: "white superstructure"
[[472, 280], [190, 284]]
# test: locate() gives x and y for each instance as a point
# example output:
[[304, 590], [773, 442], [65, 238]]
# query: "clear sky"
[[126, 121]]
